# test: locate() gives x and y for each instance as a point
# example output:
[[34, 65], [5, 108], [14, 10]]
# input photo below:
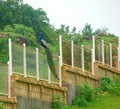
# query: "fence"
[[107, 53], [84, 58], [4, 79], [76, 56]]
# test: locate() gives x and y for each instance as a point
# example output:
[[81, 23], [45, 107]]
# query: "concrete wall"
[[35, 94], [9, 103], [105, 70], [29, 93]]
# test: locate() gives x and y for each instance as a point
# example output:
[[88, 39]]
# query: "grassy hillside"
[[106, 101]]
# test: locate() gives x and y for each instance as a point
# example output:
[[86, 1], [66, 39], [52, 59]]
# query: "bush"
[[56, 104], [106, 84], [85, 95], [79, 101], [111, 86], [1, 106]]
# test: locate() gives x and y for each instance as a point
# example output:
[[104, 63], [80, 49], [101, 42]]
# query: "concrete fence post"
[[118, 58], [60, 45], [49, 77], [103, 58], [93, 44], [9, 80], [37, 64], [60, 77], [72, 53], [24, 60], [82, 57], [10, 56], [92, 58], [111, 55]]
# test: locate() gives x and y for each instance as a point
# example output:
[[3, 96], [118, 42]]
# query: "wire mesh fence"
[[110, 54], [17, 58], [98, 50], [107, 53], [76, 60], [66, 52], [18, 62], [4, 79], [77, 56], [87, 59], [114, 57]]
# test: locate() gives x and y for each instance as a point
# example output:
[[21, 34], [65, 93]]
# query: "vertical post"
[[72, 53], [10, 56], [111, 55], [82, 58], [24, 60], [93, 42], [9, 80], [118, 53], [60, 44], [92, 58], [49, 79], [119, 42], [103, 60], [37, 64], [118, 58], [60, 79]]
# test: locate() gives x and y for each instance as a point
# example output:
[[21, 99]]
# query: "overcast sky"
[[98, 13]]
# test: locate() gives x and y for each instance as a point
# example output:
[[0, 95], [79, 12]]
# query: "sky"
[[98, 13]]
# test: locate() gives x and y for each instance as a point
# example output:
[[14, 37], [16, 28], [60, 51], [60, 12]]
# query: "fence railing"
[[107, 53], [32, 63], [4, 79], [84, 58], [76, 56]]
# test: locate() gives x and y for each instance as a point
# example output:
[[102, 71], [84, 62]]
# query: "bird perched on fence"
[[48, 54]]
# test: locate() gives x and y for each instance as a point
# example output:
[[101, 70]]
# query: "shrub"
[[106, 84], [56, 104], [85, 95], [79, 101], [1, 106], [87, 91]]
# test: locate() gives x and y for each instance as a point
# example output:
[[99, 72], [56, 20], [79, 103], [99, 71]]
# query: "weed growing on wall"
[[56, 103], [1, 106]]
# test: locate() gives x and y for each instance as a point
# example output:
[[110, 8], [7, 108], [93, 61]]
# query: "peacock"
[[50, 61]]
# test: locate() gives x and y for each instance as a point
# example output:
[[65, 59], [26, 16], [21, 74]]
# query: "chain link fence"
[[3, 79], [106, 52], [29, 62], [77, 54]]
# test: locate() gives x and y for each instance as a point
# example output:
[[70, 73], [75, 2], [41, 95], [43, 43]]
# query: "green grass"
[[106, 101]]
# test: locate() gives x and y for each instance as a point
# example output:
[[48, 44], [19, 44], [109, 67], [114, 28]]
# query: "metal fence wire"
[[77, 55], [107, 53], [66, 52], [88, 59], [115, 57], [3, 79], [110, 53], [17, 58], [18, 62], [98, 50]]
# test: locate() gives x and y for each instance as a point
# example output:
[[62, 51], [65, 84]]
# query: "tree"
[[87, 31]]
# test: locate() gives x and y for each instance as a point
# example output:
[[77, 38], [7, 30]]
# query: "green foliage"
[[80, 101], [85, 95], [1, 106], [87, 30], [111, 86], [56, 103], [26, 32], [3, 50], [106, 83]]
